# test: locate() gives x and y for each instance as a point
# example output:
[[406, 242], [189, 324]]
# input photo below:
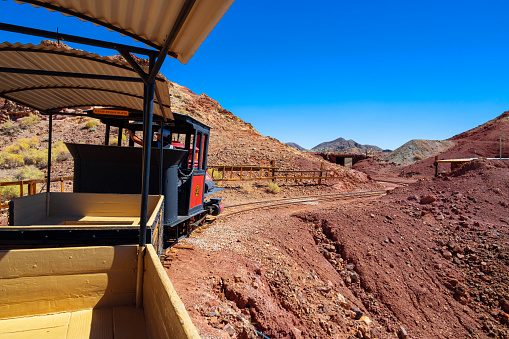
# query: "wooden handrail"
[[31, 185]]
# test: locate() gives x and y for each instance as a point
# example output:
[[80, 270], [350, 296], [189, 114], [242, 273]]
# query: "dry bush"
[[91, 124], [418, 157], [29, 173], [59, 152], [10, 128], [273, 188], [215, 175], [23, 152], [30, 120], [9, 192]]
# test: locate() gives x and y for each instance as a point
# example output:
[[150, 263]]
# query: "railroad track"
[[250, 206]]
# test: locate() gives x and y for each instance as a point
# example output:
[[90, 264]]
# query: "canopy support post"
[[148, 103], [50, 142]]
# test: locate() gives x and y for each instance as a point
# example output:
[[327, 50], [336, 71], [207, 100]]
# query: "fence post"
[[21, 188], [273, 164], [321, 173], [436, 165]]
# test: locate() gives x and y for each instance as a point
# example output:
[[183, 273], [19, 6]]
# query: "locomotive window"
[[205, 146]]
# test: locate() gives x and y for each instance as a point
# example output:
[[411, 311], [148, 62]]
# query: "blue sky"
[[378, 72]]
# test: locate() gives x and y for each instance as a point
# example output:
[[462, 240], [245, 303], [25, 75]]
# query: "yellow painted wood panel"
[[43, 333], [95, 323], [92, 204], [129, 322], [161, 300], [50, 294], [71, 260], [29, 209], [33, 323]]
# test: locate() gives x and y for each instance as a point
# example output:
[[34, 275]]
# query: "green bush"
[[274, 188], [91, 124], [30, 120], [10, 128]]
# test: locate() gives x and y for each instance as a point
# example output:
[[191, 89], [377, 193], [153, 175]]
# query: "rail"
[[255, 172], [31, 186], [241, 208]]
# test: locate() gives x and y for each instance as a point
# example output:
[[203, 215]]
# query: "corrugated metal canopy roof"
[[184, 22], [50, 92]]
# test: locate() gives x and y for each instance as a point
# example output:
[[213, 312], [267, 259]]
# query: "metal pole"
[[50, 139], [119, 139], [161, 160], [500, 146], [107, 135], [147, 133]]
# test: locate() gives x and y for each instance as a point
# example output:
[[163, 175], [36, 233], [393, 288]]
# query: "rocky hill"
[[297, 146], [341, 145], [417, 150]]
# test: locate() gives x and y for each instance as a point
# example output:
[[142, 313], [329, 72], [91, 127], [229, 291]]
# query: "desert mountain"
[[341, 145], [297, 146], [417, 150]]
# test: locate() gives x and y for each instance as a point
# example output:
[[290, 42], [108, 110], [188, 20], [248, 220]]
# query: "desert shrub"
[[274, 188], [36, 157], [30, 120], [215, 175], [10, 128], [29, 173], [9, 192], [24, 152], [91, 124], [183, 111], [59, 152], [114, 141], [418, 157], [23, 145], [10, 160]]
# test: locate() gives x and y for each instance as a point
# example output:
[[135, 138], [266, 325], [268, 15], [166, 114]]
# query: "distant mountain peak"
[[297, 146], [341, 145]]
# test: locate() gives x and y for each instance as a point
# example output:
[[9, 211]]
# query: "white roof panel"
[[149, 21], [48, 92]]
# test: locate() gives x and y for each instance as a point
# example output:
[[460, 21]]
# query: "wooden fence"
[[254, 172], [31, 187]]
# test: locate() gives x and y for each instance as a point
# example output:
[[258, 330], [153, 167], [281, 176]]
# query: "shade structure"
[[183, 24], [66, 88]]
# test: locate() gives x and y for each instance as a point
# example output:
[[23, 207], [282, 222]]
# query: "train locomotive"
[[178, 172]]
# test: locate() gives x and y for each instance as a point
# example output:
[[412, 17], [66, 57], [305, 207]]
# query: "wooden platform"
[[118, 322]]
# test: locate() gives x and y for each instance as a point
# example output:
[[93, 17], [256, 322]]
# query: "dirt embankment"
[[430, 260]]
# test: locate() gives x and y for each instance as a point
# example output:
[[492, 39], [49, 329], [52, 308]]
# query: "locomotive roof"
[[179, 25], [49, 78]]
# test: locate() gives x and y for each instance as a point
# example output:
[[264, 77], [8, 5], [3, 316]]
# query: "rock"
[[365, 320], [504, 303], [229, 329], [297, 333], [402, 334], [354, 277], [343, 301], [238, 278], [428, 199], [447, 254], [358, 313], [504, 317]]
